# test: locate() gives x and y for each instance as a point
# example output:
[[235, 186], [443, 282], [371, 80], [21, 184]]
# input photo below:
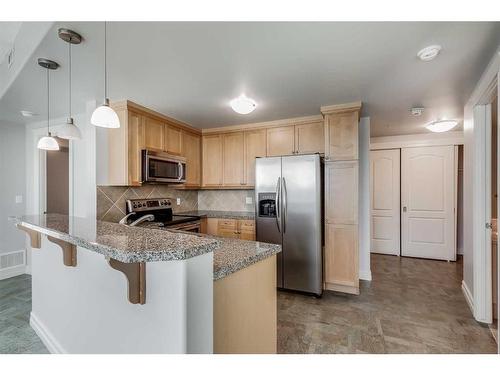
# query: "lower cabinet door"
[[341, 258]]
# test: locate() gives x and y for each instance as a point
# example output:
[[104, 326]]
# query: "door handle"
[[489, 226], [278, 204], [181, 171], [285, 208], [404, 208]]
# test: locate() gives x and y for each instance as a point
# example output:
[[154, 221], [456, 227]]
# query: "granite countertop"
[[242, 215], [234, 255], [120, 242]]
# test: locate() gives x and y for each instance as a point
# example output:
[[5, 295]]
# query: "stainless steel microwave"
[[163, 167]]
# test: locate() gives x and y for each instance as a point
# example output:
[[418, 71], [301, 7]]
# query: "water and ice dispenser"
[[267, 204]]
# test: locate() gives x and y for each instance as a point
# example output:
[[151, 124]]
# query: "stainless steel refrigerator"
[[288, 211]]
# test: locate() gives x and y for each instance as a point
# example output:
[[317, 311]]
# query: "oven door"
[[161, 167]]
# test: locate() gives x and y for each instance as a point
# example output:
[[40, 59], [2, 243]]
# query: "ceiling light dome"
[[441, 126], [105, 117], [429, 53], [48, 143], [243, 105]]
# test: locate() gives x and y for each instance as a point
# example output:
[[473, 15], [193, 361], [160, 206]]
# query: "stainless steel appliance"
[[162, 167], [157, 213], [288, 197]]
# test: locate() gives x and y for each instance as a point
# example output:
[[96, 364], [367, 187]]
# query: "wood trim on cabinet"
[[341, 108]]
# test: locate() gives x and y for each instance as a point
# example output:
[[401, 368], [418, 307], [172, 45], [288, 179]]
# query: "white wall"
[[12, 183], [364, 199], [473, 185]]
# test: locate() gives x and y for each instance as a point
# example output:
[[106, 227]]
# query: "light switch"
[[178, 201], [19, 199], [249, 200]]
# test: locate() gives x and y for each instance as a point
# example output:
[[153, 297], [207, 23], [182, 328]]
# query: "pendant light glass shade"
[[104, 116], [48, 143], [69, 131]]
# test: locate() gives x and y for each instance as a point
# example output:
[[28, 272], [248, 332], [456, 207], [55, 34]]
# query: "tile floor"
[[16, 335], [411, 306]]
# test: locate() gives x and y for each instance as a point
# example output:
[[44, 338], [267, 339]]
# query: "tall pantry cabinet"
[[341, 260]]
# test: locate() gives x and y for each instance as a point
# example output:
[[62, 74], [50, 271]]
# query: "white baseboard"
[[365, 275], [468, 296], [11, 272], [48, 340]]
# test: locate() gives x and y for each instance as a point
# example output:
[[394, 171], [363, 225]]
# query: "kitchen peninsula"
[[182, 292]]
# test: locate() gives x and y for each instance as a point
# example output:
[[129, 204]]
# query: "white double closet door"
[[417, 220]]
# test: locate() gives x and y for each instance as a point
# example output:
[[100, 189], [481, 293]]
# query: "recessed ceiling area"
[[192, 70]]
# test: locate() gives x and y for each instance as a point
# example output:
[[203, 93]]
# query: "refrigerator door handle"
[[285, 208], [278, 204]]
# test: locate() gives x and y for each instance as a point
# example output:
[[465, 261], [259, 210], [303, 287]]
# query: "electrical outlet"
[[249, 200], [178, 201], [19, 199]]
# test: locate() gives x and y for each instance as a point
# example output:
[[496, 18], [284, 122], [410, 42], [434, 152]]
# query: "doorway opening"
[[57, 179]]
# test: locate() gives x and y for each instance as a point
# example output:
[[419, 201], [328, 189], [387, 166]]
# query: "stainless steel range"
[[157, 213]]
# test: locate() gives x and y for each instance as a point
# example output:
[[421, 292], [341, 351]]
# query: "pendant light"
[[104, 116], [48, 142], [69, 130]]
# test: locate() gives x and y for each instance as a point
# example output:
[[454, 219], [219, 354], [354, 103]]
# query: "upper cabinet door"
[[135, 145], [255, 146], [310, 138], [233, 159], [280, 141], [191, 145], [154, 134], [341, 192], [173, 140], [342, 136], [212, 160]]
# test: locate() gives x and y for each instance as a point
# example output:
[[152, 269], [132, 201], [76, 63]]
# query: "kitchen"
[[177, 231]]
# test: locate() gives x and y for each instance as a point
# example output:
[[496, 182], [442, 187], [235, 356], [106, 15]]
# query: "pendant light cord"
[[70, 78], [48, 100], [105, 63]]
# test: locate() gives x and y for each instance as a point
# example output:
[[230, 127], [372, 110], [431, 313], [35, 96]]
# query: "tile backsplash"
[[111, 199], [225, 200]]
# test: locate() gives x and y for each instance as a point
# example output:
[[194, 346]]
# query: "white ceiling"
[[191, 71]]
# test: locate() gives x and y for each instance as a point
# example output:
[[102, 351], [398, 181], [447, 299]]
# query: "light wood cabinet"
[[341, 190], [341, 198], [246, 230], [233, 162], [310, 138], [255, 146], [212, 226], [191, 146], [212, 160], [341, 136], [230, 228], [281, 141], [173, 140], [341, 258], [154, 134], [119, 150]]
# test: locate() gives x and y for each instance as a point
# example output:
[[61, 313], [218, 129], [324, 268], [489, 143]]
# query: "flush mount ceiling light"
[[48, 142], [69, 130], [104, 116], [429, 53], [28, 113], [243, 105], [441, 126]]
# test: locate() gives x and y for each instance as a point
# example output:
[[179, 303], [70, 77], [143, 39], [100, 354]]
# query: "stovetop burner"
[[160, 208]]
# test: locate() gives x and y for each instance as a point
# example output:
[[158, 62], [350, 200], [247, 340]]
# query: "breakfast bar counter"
[[101, 287]]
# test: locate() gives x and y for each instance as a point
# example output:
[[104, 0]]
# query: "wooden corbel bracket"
[[136, 276], [68, 249], [35, 237]]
